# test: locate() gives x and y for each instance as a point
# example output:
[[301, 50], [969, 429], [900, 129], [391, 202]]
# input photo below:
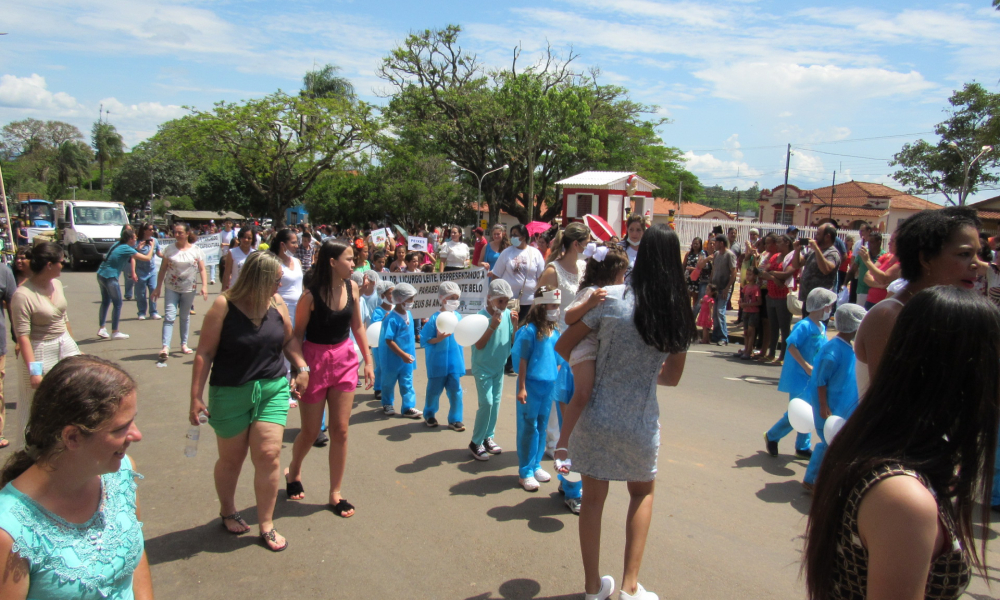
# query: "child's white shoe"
[[607, 588], [542, 475], [530, 484], [640, 594]]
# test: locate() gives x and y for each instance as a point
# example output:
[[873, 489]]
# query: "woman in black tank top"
[[242, 341], [325, 317]]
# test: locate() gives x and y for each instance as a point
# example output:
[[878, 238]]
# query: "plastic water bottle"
[[194, 432]]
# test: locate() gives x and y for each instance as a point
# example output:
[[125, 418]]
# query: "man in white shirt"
[[225, 238]]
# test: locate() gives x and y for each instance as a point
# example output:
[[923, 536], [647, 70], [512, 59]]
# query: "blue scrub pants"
[[490, 389], [405, 378], [569, 488], [996, 479], [436, 385], [378, 370], [817, 458], [783, 428], [532, 418]]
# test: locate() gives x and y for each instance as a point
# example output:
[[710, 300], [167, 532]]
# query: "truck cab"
[[88, 229]]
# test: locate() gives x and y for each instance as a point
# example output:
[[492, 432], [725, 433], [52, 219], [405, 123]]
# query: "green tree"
[[72, 162], [325, 83], [109, 148], [965, 157], [148, 170], [279, 144]]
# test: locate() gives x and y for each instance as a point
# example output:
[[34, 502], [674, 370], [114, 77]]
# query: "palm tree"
[[72, 161], [108, 146], [324, 83]]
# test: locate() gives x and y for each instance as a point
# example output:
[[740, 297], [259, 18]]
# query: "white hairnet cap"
[[403, 292], [372, 275], [358, 278], [500, 289], [849, 317], [384, 286], [449, 288], [820, 298]]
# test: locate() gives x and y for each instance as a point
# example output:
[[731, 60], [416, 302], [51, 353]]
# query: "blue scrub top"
[[445, 357], [116, 260], [543, 363], [834, 368], [396, 329], [808, 338]]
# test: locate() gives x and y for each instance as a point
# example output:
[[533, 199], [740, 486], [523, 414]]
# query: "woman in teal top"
[[107, 277], [81, 425]]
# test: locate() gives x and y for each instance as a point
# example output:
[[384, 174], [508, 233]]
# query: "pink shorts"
[[330, 367]]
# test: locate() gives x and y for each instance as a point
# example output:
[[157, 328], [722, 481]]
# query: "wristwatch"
[[298, 370]]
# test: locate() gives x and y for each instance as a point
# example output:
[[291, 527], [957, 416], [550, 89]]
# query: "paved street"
[[433, 523]]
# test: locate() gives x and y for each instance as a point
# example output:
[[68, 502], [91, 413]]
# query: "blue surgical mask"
[[515, 241]]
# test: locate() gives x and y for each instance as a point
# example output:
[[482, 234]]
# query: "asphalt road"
[[432, 522]]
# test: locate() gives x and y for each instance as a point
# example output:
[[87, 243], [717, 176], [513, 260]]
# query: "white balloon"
[[800, 415], [470, 329], [832, 427], [446, 322], [373, 331]]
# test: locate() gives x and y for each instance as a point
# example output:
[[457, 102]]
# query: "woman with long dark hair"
[[329, 311], [69, 515], [778, 274], [643, 330], [107, 278], [892, 512], [695, 252]]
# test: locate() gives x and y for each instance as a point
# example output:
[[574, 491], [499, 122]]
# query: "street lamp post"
[[73, 187], [479, 202], [964, 190]]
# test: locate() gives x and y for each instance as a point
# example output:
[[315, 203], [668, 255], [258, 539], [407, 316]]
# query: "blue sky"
[[739, 79]]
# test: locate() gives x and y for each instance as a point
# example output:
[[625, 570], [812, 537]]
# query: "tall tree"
[[72, 162], [325, 83], [967, 154], [279, 144], [109, 148], [150, 170]]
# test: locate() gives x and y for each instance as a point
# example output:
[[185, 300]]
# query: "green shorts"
[[234, 408]]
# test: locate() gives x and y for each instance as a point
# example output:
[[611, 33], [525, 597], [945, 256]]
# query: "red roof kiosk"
[[612, 195]]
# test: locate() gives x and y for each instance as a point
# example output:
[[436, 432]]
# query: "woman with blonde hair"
[[183, 262], [244, 335]]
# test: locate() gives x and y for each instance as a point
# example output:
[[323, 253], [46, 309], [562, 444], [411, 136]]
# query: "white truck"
[[87, 229]]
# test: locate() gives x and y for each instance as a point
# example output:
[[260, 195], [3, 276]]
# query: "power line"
[[849, 141], [836, 154]]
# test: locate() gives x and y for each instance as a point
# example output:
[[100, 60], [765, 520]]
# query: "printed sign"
[[209, 244], [474, 284], [379, 238], [417, 244]]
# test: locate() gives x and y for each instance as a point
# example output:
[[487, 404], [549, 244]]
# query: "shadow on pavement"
[[367, 416], [154, 357], [435, 459], [484, 486], [770, 464], [401, 433], [787, 492], [523, 589], [538, 512], [495, 463]]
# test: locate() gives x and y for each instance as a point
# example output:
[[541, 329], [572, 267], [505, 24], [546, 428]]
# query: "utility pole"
[[6, 214], [680, 195], [833, 190], [784, 190], [738, 191]]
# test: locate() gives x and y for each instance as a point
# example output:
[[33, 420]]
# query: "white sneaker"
[[542, 475], [103, 333], [607, 588], [640, 594], [156, 317], [530, 484], [211, 282], [119, 336], [142, 317]]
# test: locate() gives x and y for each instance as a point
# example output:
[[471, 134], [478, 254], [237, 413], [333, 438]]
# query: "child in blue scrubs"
[[400, 353], [807, 337], [384, 291], [445, 361], [833, 387], [489, 356], [537, 365]]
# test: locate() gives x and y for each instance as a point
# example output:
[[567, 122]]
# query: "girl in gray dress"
[[643, 330]]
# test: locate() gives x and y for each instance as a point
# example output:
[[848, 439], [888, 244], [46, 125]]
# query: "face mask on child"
[[552, 314], [408, 305], [516, 242], [826, 314], [633, 244], [451, 305]]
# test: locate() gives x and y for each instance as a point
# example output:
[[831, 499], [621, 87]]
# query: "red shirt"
[[751, 293], [885, 261], [775, 289], [477, 251]]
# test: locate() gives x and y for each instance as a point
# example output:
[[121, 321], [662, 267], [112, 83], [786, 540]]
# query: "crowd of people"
[[589, 329]]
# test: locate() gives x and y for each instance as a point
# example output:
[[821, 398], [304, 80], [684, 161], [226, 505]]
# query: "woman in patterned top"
[[892, 510], [69, 516]]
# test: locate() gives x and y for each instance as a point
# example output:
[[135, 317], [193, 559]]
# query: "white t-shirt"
[[455, 254], [226, 238], [521, 269], [238, 259], [290, 289], [182, 273]]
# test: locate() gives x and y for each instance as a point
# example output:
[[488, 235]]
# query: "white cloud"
[[142, 111], [712, 170], [32, 93]]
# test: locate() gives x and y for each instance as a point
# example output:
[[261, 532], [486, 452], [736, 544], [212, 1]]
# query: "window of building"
[[584, 203]]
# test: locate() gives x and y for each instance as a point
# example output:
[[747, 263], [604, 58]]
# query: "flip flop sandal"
[[4, 442], [270, 538], [239, 520], [341, 507], [294, 488], [162, 356]]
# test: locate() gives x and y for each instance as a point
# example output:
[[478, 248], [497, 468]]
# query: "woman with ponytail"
[[55, 543]]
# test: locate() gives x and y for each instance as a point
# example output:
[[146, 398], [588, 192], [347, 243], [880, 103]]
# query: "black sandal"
[[239, 520], [341, 507], [294, 488], [272, 537]]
